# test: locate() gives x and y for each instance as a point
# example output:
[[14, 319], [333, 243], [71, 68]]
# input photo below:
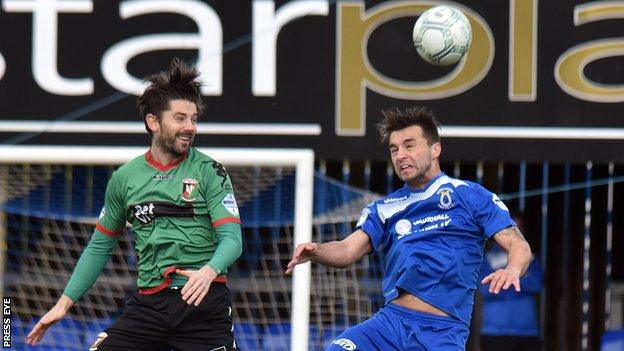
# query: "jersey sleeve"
[[488, 210], [372, 225], [225, 218], [104, 240], [222, 205], [90, 264], [112, 219]]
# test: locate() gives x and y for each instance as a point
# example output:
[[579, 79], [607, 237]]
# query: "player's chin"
[[407, 175], [182, 147]]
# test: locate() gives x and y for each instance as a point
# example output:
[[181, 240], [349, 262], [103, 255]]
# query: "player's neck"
[[162, 157], [422, 181]]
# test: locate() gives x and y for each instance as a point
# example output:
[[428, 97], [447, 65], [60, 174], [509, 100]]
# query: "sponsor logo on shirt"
[[435, 226], [159, 177], [144, 213], [229, 202], [499, 202], [432, 222], [344, 343], [431, 219], [189, 185], [394, 199], [446, 200], [402, 228]]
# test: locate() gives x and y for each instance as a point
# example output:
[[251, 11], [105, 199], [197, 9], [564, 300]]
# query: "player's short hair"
[[180, 82], [396, 119]]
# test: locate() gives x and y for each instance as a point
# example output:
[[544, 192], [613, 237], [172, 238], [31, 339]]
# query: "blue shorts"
[[399, 328]]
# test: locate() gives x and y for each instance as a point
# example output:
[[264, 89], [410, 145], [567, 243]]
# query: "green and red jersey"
[[183, 215]]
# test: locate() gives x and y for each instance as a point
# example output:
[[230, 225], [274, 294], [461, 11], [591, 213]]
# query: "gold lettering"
[[522, 50], [569, 69], [354, 72]]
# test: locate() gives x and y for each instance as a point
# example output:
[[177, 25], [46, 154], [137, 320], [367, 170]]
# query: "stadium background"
[[566, 158]]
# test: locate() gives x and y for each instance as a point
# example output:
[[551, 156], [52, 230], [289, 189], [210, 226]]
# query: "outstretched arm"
[[99, 250], [89, 266], [49, 319], [338, 254], [519, 257]]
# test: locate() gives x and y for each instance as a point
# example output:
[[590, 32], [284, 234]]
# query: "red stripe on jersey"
[[220, 279], [225, 220], [161, 167], [105, 231], [167, 274], [161, 286]]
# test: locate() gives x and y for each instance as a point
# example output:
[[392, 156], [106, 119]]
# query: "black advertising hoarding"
[[542, 80]]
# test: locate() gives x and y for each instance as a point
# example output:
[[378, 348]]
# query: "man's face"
[[176, 128], [412, 157]]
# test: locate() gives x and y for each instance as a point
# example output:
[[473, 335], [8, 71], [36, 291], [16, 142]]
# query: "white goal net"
[[49, 202]]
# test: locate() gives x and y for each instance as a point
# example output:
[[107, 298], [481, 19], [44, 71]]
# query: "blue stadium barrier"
[[248, 336], [277, 337], [19, 330], [53, 338], [612, 340]]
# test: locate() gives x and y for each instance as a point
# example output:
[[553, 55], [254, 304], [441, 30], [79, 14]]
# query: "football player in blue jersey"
[[432, 232]]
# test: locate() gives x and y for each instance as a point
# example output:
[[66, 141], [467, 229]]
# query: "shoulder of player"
[[208, 166], [455, 182], [462, 185], [474, 192], [128, 168], [397, 195], [198, 157]]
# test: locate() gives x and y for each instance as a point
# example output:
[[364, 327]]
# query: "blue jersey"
[[433, 240]]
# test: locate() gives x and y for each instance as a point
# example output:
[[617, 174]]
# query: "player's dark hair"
[[179, 83], [395, 119]]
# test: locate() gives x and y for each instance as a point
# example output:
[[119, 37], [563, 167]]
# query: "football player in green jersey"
[[186, 228]]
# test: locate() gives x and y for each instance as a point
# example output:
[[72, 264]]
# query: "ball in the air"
[[442, 35]]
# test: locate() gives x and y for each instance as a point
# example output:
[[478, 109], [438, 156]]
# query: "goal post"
[[301, 160]]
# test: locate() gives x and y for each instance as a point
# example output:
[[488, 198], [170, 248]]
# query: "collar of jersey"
[[173, 164], [409, 189]]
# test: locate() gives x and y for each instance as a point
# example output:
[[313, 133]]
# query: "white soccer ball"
[[442, 35]]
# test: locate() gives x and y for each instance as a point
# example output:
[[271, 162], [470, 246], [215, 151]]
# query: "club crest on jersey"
[[446, 200], [189, 187]]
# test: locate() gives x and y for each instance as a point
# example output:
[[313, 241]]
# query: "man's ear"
[[436, 149], [152, 122]]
